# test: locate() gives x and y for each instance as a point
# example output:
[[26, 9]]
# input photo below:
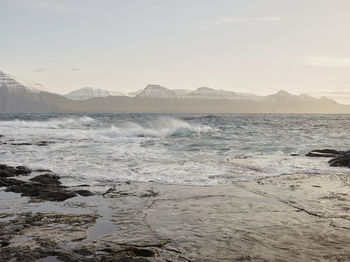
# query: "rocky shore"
[[287, 218], [45, 186], [339, 158]]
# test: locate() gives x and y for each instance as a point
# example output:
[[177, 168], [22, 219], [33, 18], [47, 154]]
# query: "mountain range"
[[20, 96]]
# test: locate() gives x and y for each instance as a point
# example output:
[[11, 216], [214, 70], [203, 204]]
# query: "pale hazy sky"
[[257, 46]]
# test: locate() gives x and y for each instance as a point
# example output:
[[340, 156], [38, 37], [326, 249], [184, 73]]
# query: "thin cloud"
[[225, 20], [43, 69], [237, 20], [75, 69], [271, 18], [326, 61]]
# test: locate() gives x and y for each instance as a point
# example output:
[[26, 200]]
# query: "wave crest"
[[161, 127]]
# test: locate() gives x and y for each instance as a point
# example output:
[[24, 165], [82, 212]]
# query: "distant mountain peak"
[[327, 100], [153, 86], [89, 92], [15, 84], [88, 88], [152, 90], [283, 93], [204, 88], [304, 95], [206, 92]]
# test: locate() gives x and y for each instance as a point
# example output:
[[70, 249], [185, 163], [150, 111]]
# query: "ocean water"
[[174, 149]]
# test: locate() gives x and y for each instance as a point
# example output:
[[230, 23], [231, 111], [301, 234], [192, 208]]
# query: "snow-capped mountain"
[[201, 92], [305, 97], [206, 92], [14, 84], [89, 92], [22, 96], [283, 96], [157, 91]]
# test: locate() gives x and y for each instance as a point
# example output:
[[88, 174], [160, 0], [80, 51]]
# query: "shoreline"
[[286, 218]]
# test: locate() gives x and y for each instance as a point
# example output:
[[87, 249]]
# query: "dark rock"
[[85, 251], [22, 170], [43, 187], [84, 193], [125, 259], [8, 171], [141, 252], [42, 170], [44, 143], [43, 192], [342, 160], [83, 185], [21, 144], [40, 143], [47, 179], [150, 193], [4, 243], [324, 153], [5, 182]]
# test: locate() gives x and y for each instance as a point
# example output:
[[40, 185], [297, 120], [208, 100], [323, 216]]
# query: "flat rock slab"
[[288, 218]]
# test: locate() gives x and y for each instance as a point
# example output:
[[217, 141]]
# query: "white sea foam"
[[53, 123], [193, 150], [161, 127]]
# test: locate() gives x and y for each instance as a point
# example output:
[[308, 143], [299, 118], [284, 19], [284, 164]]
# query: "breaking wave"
[[176, 149], [78, 126], [161, 127]]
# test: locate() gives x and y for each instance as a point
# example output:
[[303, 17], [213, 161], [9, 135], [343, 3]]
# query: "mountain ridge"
[[17, 97], [89, 92]]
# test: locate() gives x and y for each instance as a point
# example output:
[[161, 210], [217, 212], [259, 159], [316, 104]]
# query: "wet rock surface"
[[341, 160], [9, 171], [42, 187], [39, 143], [288, 218], [324, 153]]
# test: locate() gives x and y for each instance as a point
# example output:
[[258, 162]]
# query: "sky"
[[254, 46]]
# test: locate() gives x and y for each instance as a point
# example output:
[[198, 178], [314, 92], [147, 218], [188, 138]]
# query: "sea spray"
[[177, 149]]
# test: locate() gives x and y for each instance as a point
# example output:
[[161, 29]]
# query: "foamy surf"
[[183, 149], [52, 123], [161, 127]]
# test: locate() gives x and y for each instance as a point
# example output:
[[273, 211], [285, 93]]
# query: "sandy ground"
[[288, 218]]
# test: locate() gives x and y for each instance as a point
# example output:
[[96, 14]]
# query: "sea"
[[185, 149]]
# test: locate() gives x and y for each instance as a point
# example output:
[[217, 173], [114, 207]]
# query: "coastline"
[[287, 218]]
